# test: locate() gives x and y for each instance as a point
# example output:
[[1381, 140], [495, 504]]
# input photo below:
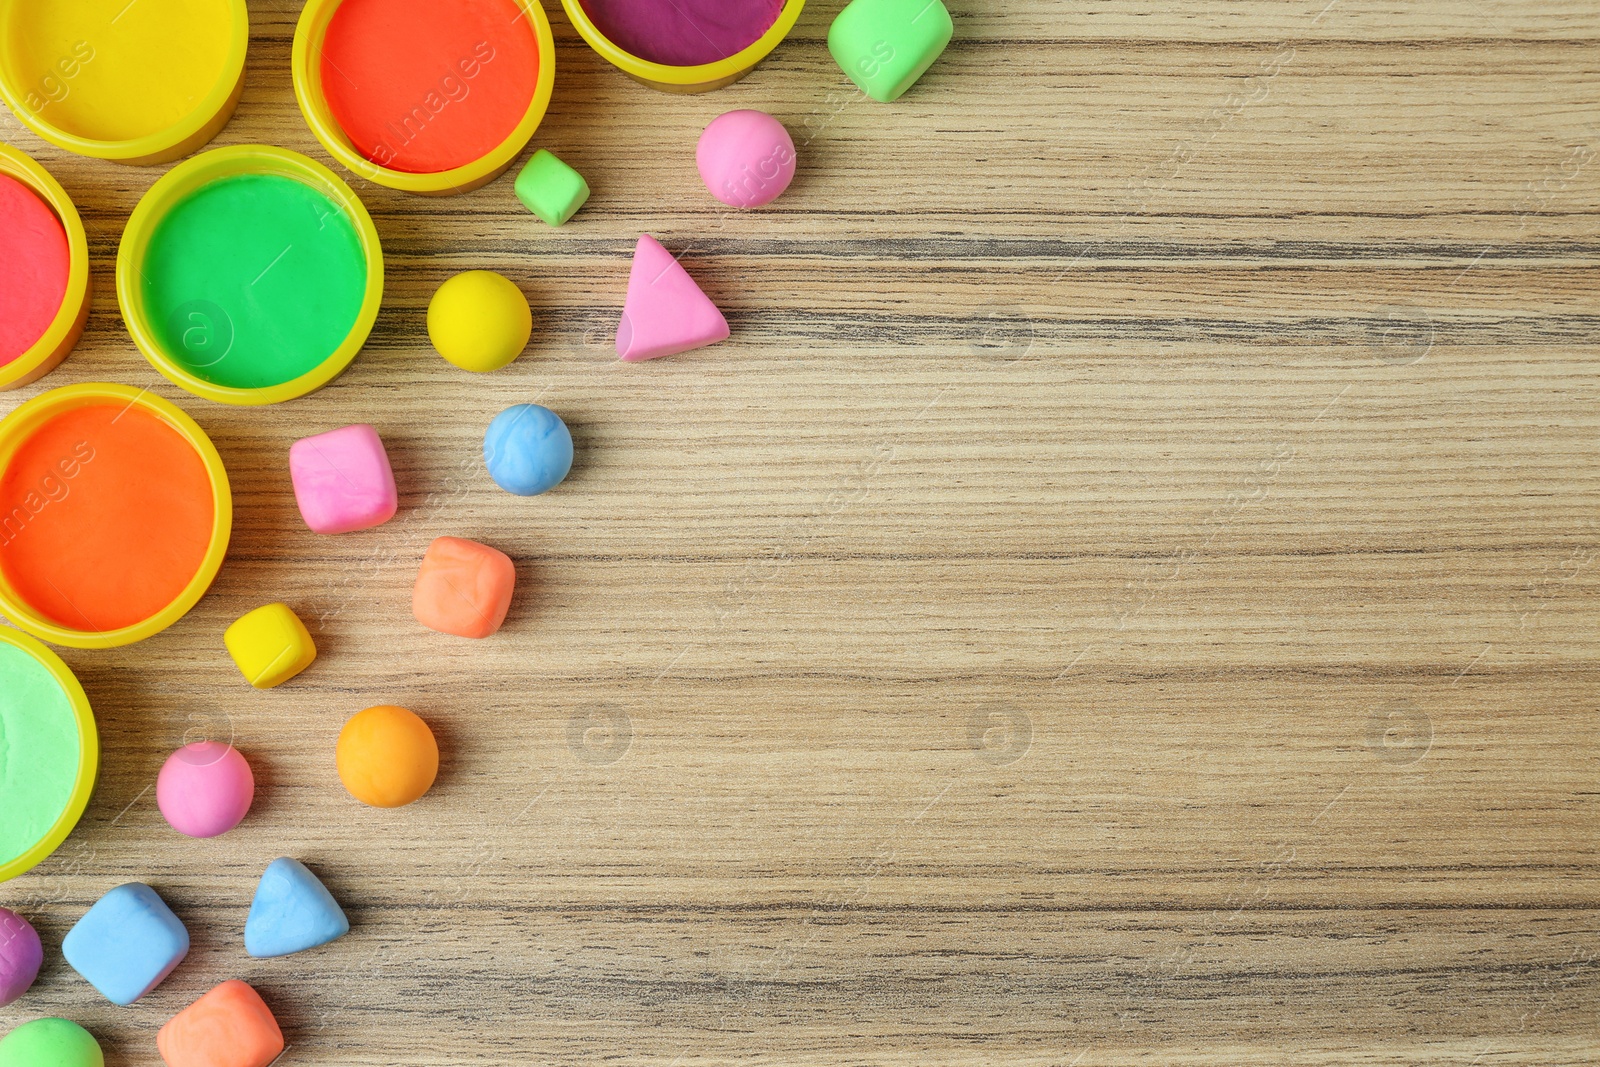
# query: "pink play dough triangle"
[[665, 312]]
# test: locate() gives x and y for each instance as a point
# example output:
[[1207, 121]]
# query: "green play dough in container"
[[39, 752], [253, 280]]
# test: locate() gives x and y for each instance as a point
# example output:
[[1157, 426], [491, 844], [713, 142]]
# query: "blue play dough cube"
[[528, 449], [127, 943], [292, 911]]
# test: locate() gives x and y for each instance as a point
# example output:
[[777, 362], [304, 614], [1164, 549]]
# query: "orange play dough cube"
[[463, 588], [231, 1026]]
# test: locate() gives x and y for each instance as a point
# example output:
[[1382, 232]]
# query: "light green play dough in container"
[[253, 280], [49, 752], [38, 751]]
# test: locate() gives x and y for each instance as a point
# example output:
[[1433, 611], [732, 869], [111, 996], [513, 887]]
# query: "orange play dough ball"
[[387, 756]]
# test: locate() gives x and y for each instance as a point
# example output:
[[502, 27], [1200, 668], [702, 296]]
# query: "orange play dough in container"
[[33, 268], [428, 96], [428, 85], [114, 515]]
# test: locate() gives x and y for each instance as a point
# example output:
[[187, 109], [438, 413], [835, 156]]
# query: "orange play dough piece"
[[387, 756], [463, 588], [231, 1026], [428, 85], [105, 517]]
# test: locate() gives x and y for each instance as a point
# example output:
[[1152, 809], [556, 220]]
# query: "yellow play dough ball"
[[479, 320]]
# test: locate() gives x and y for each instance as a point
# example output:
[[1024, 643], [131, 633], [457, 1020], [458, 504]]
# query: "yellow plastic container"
[[306, 68], [672, 79], [64, 330], [189, 177], [26, 849], [138, 83], [70, 491]]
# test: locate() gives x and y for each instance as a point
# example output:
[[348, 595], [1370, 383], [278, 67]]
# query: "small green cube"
[[551, 189], [885, 45]]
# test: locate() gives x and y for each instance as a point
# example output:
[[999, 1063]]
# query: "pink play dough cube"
[[342, 480]]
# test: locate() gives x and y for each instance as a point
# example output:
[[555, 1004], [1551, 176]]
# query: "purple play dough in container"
[[683, 33], [21, 955]]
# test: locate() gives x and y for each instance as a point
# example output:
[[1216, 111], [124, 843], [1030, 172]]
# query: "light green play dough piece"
[[39, 751], [551, 189], [50, 1043], [885, 45]]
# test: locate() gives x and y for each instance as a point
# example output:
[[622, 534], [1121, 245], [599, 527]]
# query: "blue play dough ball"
[[527, 450]]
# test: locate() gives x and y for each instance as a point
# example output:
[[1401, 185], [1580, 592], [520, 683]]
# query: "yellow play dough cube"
[[270, 645]]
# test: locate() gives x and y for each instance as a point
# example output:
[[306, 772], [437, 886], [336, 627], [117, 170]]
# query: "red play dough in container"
[[118, 511], [428, 85], [33, 268], [683, 33]]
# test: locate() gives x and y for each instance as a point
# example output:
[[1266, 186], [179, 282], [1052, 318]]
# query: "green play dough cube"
[[885, 45], [50, 1043], [551, 189]]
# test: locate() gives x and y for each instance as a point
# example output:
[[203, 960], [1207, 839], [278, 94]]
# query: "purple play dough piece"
[[21, 954], [683, 33]]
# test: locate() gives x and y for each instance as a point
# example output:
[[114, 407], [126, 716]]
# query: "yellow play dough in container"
[[139, 82]]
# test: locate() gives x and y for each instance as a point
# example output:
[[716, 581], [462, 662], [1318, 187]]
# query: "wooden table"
[[1126, 593]]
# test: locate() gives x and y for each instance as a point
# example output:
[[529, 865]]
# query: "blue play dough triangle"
[[292, 912]]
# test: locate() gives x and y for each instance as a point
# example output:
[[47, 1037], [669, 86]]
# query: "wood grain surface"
[[1126, 592]]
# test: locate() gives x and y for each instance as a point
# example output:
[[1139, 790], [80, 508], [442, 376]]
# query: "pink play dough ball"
[[205, 789], [746, 158]]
